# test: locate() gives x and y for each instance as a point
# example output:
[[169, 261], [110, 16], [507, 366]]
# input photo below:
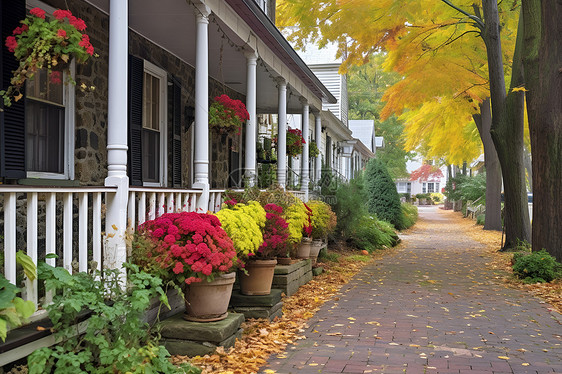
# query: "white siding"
[[343, 100], [332, 80]]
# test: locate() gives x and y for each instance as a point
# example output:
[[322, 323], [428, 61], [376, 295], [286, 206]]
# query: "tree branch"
[[477, 20]]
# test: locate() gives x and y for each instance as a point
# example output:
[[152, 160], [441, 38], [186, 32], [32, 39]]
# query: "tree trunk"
[[483, 122], [507, 130], [543, 74], [528, 168]]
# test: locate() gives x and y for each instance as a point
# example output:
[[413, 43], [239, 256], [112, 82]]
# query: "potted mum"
[[194, 250], [245, 224], [227, 115], [260, 266], [323, 222], [46, 44], [298, 218]]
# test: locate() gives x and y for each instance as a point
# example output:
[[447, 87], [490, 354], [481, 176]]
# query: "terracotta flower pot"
[[315, 250], [259, 278], [208, 301], [303, 250]]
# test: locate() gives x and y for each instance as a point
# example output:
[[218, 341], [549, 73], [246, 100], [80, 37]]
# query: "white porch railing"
[[146, 203], [51, 212]]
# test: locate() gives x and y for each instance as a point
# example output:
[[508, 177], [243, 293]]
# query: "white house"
[[139, 145]]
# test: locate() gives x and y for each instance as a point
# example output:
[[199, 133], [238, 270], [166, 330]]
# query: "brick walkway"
[[430, 308]]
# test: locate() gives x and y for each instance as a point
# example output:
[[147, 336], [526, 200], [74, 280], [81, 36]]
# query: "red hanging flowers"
[[226, 114], [41, 43]]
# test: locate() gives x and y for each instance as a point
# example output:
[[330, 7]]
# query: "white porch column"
[[305, 178], [201, 155], [318, 139], [251, 124], [115, 251], [282, 133]]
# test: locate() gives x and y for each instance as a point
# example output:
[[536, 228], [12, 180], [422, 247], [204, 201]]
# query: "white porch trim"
[[282, 133], [305, 176], [116, 219], [251, 129]]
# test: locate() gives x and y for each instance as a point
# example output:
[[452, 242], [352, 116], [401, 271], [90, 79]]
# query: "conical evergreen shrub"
[[382, 198]]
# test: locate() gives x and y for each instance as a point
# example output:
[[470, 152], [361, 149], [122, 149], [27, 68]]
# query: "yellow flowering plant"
[[323, 219], [297, 217], [243, 223]]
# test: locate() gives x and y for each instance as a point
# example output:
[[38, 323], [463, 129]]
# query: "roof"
[[363, 130], [321, 56], [262, 25]]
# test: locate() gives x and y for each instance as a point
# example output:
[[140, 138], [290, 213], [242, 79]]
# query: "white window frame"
[[69, 103], [163, 76]]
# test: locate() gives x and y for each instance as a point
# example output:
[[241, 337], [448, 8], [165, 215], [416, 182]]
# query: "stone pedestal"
[[181, 337], [290, 277], [258, 306]]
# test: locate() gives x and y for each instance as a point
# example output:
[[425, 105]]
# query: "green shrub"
[[115, 340], [536, 267], [326, 256], [382, 198], [371, 234], [349, 206], [409, 215], [481, 219]]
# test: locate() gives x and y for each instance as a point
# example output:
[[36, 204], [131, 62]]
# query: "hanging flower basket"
[[46, 44], [227, 115], [295, 142], [313, 150]]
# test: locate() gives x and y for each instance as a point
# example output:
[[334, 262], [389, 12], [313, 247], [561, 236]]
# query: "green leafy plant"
[[313, 150], [40, 43], [409, 215], [114, 339], [372, 234], [536, 267], [14, 311]]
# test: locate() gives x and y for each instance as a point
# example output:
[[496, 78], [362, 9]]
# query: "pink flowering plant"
[[190, 247], [227, 115], [275, 234], [42, 43]]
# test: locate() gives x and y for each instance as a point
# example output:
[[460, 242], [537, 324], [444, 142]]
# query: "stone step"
[[237, 299], [195, 338]]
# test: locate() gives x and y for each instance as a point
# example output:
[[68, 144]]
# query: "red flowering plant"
[[188, 246], [275, 234], [227, 115], [42, 43]]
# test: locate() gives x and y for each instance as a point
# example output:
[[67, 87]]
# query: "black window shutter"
[[176, 134], [12, 119], [136, 74]]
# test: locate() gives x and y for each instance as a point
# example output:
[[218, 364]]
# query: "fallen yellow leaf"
[[503, 357]]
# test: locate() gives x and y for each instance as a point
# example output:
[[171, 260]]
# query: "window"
[[432, 187], [154, 103], [424, 187]]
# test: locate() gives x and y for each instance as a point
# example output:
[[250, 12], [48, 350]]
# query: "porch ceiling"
[[171, 25]]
